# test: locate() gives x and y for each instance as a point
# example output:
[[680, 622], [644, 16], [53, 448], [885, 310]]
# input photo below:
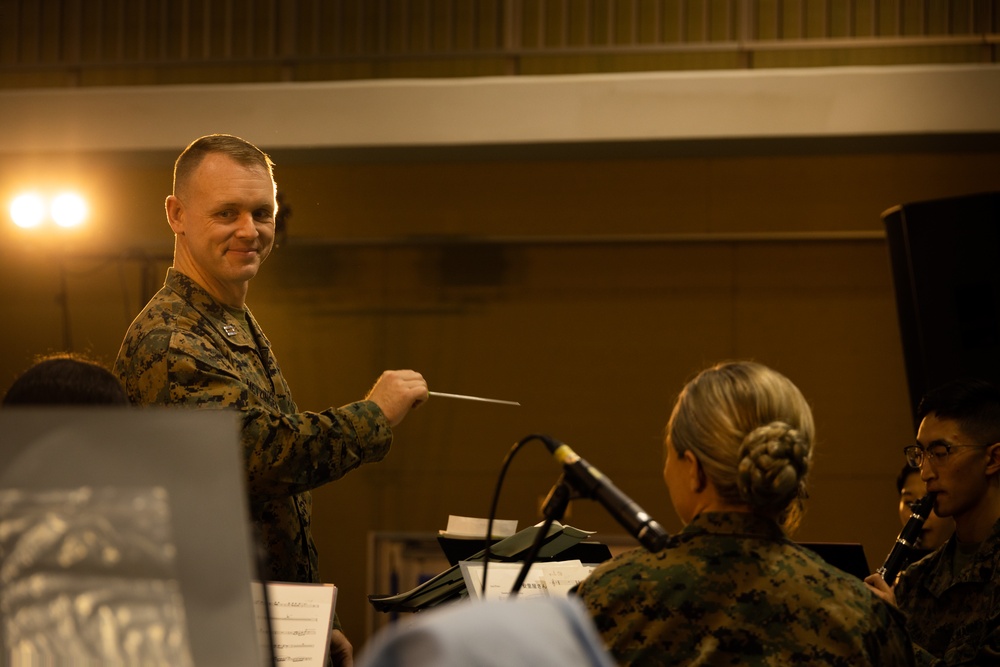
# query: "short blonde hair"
[[752, 431], [240, 150]]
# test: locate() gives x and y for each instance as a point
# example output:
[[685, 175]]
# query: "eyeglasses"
[[937, 452]]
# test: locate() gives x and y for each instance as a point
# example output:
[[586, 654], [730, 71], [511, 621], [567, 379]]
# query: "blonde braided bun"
[[773, 463]]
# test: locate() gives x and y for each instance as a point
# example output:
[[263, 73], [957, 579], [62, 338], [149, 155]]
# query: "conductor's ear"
[[175, 214]]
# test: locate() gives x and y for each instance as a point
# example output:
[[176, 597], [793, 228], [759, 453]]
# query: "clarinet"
[[907, 539]]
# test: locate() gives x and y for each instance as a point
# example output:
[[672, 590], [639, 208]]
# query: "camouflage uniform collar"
[[217, 314], [984, 563], [736, 523]]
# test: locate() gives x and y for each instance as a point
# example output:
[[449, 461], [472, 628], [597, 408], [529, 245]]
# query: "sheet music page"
[[561, 576], [301, 618], [543, 580], [452, 582]]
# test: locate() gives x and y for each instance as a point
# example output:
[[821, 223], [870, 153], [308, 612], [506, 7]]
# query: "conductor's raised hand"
[[397, 392]]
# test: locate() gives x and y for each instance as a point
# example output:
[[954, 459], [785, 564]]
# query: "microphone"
[[591, 483]]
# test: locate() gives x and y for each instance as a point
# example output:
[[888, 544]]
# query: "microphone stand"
[[553, 510]]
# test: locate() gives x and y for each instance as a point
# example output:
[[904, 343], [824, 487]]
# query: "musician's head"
[[66, 379], [958, 445], [740, 438]]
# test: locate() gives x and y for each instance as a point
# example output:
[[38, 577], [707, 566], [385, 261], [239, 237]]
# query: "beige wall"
[[594, 339]]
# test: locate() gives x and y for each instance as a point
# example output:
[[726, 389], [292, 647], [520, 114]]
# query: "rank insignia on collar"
[[229, 329]]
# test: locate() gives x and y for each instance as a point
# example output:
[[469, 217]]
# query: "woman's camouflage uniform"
[[731, 589], [186, 349], [954, 619]]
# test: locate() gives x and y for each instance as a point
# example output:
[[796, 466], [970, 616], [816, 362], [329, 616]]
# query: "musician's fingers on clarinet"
[[880, 589]]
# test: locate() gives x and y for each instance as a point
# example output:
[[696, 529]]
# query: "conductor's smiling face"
[[223, 219]]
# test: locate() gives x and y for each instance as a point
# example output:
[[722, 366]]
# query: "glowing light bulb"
[[28, 210], [69, 210]]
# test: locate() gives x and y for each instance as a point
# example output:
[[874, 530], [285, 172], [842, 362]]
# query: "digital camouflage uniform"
[[954, 620], [731, 589], [187, 349]]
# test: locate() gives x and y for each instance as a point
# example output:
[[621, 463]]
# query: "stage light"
[[35, 210], [69, 210], [28, 210]]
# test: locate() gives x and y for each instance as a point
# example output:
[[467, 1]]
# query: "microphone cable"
[[496, 500]]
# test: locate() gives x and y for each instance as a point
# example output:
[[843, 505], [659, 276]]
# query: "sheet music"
[[544, 579], [301, 618], [450, 584]]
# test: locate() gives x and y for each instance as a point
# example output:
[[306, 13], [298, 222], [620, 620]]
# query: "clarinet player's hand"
[[876, 584]]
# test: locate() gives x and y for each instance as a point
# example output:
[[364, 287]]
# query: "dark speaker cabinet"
[[945, 258]]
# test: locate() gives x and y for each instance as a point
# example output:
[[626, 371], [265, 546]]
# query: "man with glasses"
[[952, 597]]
